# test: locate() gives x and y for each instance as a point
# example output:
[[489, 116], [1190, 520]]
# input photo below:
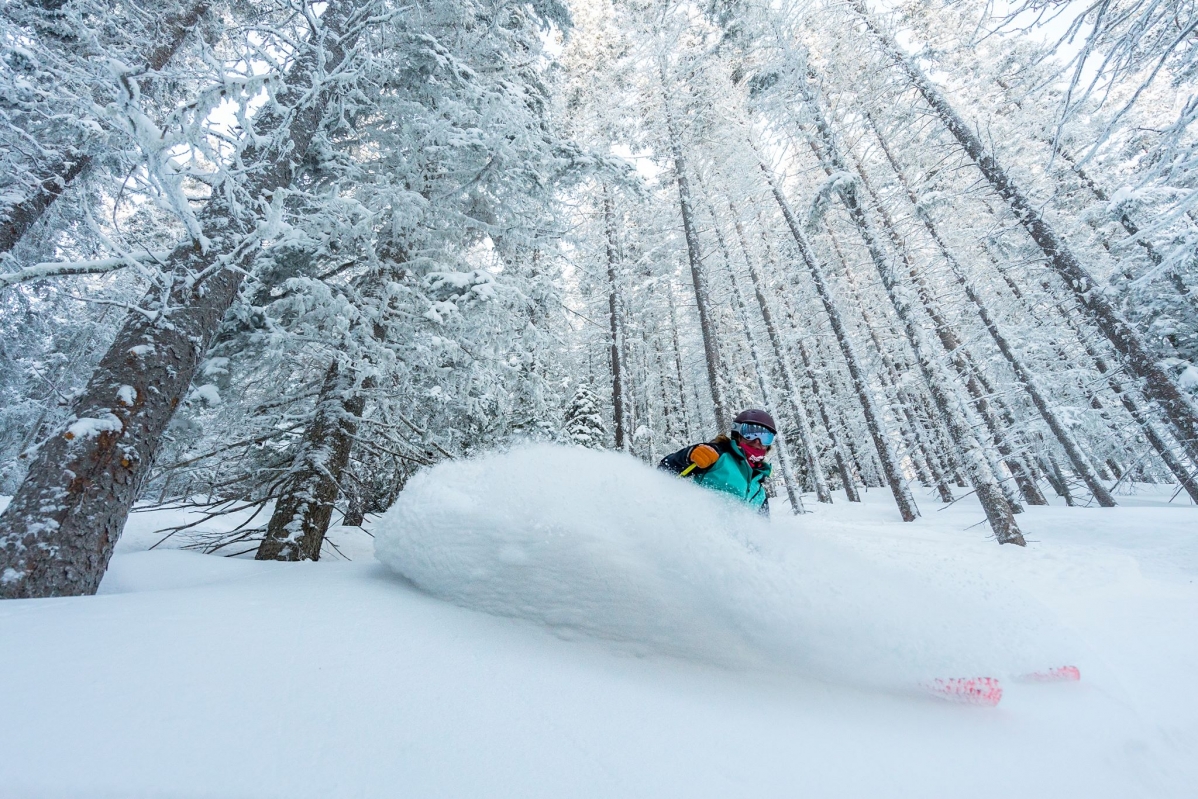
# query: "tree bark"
[[793, 490], [689, 429], [925, 465], [301, 517], [785, 361], [1186, 477], [964, 362], [57, 535], [616, 321], [698, 275]]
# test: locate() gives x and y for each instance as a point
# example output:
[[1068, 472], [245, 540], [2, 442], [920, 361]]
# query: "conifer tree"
[[584, 420]]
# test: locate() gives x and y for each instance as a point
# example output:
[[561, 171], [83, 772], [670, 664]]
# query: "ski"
[[1055, 674], [985, 691]]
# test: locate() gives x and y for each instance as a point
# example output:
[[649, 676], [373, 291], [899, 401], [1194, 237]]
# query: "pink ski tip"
[[1057, 674], [968, 690]]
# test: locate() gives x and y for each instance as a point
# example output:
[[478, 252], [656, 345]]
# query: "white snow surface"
[[616, 658]]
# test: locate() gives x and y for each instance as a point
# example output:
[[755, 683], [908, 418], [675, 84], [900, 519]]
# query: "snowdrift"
[[597, 543]]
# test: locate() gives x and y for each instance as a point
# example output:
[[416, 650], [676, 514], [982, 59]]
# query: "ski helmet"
[[755, 416]]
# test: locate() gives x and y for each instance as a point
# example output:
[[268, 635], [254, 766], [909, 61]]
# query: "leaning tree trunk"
[[698, 274], [1060, 483], [792, 385], [873, 419], [1143, 419], [1103, 196], [17, 219], [989, 492], [1135, 355], [616, 321], [302, 513], [57, 535]]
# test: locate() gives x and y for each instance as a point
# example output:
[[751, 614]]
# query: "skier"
[[733, 465]]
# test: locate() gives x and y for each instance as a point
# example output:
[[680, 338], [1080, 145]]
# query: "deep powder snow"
[[598, 543]]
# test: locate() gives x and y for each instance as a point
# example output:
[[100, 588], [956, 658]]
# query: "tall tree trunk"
[[695, 255], [302, 513], [57, 535], [873, 419], [17, 219], [648, 422], [1186, 477], [616, 320], [1135, 355], [668, 409], [1061, 484], [786, 360], [1142, 416]]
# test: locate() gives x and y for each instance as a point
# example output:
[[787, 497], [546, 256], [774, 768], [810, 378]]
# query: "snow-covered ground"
[[572, 624]]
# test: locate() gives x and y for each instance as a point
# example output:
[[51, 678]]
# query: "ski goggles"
[[755, 432]]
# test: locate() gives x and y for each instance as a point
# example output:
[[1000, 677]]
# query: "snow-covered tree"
[[584, 422]]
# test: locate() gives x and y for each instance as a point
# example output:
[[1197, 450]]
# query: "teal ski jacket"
[[730, 474]]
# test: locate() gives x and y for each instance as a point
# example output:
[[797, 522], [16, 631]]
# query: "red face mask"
[[754, 452]]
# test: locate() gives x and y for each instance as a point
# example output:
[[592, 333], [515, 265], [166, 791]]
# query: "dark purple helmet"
[[755, 416]]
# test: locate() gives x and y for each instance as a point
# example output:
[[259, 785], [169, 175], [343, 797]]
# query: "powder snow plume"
[[599, 543]]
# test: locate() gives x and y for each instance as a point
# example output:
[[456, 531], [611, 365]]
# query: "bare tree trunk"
[[616, 320], [1136, 357], [698, 275], [1103, 196], [843, 460], [17, 219], [894, 476], [962, 360], [57, 535], [1133, 229], [668, 409], [356, 500], [1140, 415], [648, 423], [302, 513], [1061, 484]]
